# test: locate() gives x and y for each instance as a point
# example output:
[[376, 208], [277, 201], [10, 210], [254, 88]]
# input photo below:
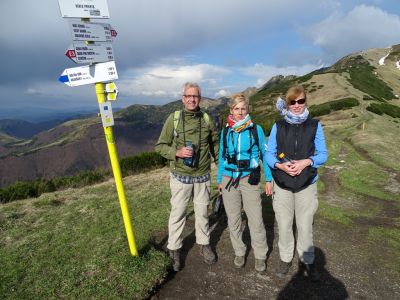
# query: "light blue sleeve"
[[270, 154], [263, 147], [221, 160], [321, 154]]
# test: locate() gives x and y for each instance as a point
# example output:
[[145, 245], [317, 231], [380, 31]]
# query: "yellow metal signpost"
[[101, 71]]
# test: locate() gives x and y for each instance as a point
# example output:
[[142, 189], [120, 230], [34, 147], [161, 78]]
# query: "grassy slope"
[[72, 244]]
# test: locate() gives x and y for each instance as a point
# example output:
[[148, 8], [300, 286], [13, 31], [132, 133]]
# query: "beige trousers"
[[181, 193], [300, 206], [249, 195]]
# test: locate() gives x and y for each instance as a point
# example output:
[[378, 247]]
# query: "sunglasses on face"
[[300, 101]]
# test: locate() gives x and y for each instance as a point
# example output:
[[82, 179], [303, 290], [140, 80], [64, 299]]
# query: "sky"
[[224, 45]]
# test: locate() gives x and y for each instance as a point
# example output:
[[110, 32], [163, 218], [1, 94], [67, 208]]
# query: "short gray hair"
[[191, 85]]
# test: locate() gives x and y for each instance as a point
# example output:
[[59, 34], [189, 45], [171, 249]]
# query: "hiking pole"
[[112, 150]]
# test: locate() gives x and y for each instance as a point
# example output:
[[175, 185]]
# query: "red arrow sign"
[[70, 54], [113, 33]]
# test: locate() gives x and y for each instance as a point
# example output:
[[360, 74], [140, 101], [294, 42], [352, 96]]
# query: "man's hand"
[[268, 188], [184, 152]]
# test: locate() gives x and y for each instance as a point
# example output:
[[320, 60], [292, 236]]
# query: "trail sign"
[[94, 32], [89, 74], [107, 117], [82, 53], [84, 9]]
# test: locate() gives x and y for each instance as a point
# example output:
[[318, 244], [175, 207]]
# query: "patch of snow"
[[398, 64], [382, 60]]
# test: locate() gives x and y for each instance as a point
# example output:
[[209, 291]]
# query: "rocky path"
[[345, 258]]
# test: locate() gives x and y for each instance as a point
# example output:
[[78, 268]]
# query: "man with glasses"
[[187, 140]]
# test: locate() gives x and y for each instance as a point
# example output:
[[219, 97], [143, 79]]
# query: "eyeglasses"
[[300, 101], [192, 96]]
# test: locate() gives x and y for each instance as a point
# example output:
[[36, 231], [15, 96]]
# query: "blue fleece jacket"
[[240, 143]]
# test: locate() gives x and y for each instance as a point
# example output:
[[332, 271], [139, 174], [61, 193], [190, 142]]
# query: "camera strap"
[[184, 131], [233, 182]]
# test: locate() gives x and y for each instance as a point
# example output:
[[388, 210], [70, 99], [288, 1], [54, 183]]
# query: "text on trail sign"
[[84, 9], [100, 72], [94, 32], [82, 53]]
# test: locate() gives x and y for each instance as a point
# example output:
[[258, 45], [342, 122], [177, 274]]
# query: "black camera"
[[243, 164], [255, 176], [231, 160]]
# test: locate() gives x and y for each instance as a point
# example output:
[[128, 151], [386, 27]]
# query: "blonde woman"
[[242, 146]]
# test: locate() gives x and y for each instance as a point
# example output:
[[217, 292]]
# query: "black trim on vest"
[[297, 142]]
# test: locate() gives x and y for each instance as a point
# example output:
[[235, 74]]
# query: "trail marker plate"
[[94, 32], [101, 72], [94, 9]]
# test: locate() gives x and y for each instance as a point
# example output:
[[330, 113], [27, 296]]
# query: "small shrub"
[[384, 108], [328, 107]]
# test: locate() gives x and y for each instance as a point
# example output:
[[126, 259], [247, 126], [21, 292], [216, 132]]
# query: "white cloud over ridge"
[[167, 80], [361, 28]]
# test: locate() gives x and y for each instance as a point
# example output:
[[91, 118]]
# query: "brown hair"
[[237, 98], [294, 92]]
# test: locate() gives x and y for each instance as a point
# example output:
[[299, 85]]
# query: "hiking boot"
[[260, 265], [176, 259], [208, 255], [309, 271], [239, 261], [283, 269]]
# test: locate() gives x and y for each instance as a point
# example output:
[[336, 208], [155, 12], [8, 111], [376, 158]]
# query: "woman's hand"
[[300, 165], [286, 167], [268, 188]]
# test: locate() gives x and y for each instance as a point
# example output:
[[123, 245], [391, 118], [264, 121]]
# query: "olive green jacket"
[[168, 143]]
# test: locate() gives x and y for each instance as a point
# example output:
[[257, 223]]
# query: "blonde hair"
[[237, 98], [294, 92]]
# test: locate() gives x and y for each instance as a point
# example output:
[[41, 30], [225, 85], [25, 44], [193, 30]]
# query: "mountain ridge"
[[78, 145]]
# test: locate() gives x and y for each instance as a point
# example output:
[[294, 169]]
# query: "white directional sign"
[[83, 53], [84, 9], [94, 32], [100, 72]]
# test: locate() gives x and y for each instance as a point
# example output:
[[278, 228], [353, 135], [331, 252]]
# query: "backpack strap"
[[254, 132], [206, 118], [224, 140], [177, 117]]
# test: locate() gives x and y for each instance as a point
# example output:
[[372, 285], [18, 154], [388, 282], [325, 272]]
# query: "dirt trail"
[[345, 259]]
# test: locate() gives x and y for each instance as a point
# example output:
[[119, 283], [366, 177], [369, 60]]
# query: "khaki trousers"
[[301, 206], [181, 193], [249, 195]]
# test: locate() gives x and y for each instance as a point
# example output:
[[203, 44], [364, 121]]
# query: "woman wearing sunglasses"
[[296, 148]]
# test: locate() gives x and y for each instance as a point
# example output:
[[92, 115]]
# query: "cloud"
[[361, 28], [264, 72], [167, 80], [222, 93]]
